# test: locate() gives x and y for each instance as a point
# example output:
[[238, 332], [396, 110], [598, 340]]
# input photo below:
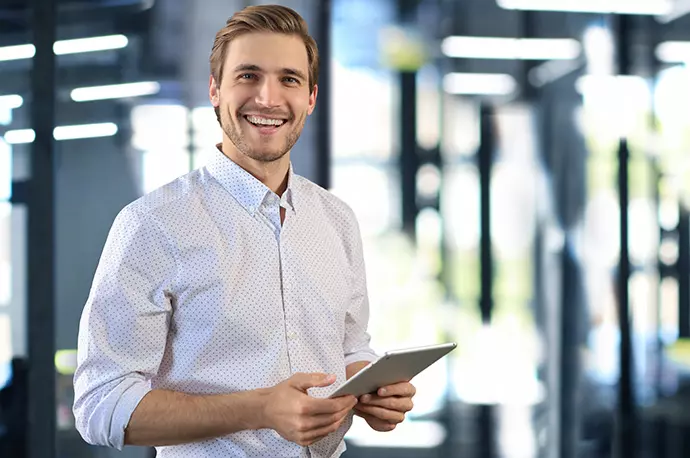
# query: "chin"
[[266, 156]]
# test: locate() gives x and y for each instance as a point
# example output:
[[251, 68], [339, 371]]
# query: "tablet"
[[393, 367]]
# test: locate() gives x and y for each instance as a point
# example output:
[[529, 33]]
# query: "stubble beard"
[[233, 131]]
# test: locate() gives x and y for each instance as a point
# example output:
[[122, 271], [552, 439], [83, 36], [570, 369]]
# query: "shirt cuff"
[[367, 355], [129, 400]]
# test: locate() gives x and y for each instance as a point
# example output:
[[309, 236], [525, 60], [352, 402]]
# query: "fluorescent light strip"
[[80, 45], [642, 7], [673, 52], [610, 84], [93, 44], [11, 101], [479, 84], [115, 91], [511, 48], [107, 129], [20, 136], [17, 52]]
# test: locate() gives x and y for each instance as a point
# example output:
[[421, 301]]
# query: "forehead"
[[270, 51]]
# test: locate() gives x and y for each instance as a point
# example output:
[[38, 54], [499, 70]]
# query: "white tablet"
[[393, 367]]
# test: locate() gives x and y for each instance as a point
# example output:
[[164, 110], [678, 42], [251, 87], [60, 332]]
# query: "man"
[[230, 302]]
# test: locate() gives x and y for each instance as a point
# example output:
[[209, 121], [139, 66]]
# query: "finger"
[[321, 421], [328, 406], [391, 416], [391, 403], [377, 424], [405, 389], [305, 381], [319, 433]]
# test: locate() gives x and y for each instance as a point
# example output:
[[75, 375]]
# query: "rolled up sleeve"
[[123, 328], [356, 344]]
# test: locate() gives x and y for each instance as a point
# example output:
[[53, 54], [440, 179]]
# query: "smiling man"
[[229, 303]]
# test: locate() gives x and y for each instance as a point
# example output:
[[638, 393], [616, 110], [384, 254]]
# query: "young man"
[[223, 300]]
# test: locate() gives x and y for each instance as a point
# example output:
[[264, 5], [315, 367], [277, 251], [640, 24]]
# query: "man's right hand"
[[300, 418]]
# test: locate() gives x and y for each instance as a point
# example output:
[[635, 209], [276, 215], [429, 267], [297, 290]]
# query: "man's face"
[[264, 99]]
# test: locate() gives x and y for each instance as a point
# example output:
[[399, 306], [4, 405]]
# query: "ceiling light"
[[80, 45], [92, 44], [21, 136], [115, 91], [674, 52], [479, 84], [511, 48], [11, 101], [17, 52], [106, 129], [644, 7]]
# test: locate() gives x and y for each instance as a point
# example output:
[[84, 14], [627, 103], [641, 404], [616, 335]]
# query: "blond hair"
[[264, 18]]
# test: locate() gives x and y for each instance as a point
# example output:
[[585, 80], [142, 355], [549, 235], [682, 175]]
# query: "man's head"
[[264, 73]]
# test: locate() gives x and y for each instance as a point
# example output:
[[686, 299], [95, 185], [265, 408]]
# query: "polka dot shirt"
[[201, 290]]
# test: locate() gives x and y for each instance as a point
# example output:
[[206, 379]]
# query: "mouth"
[[265, 125]]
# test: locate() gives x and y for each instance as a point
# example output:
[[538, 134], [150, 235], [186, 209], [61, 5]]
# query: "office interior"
[[520, 170]]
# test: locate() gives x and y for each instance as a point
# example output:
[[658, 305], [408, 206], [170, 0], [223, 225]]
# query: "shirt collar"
[[242, 185]]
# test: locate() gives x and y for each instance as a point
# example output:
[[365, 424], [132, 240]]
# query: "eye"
[[247, 76], [291, 80]]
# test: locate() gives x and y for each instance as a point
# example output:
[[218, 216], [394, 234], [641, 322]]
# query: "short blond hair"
[[264, 18]]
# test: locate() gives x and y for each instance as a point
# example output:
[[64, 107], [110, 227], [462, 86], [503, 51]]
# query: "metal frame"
[[41, 246]]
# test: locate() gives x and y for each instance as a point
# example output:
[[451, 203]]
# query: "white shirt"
[[200, 290]]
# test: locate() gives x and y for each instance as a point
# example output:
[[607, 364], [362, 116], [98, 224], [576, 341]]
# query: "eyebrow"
[[284, 71]]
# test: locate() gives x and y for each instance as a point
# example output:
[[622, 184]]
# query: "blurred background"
[[520, 170]]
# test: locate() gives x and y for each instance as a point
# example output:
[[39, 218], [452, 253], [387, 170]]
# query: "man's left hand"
[[386, 408]]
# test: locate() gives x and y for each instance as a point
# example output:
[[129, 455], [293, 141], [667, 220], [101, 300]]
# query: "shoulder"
[[317, 198], [167, 202]]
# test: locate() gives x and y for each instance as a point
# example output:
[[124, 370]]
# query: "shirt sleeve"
[[123, 328], [356, 344]]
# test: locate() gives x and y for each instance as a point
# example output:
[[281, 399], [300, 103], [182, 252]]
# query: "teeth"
[[265, 121]]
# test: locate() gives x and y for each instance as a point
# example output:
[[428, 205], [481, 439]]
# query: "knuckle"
[[302, 426], [303, 409]]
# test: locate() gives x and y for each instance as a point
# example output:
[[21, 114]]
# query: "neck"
[[273, 174]]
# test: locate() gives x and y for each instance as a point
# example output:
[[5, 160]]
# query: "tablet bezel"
[[429, 355]]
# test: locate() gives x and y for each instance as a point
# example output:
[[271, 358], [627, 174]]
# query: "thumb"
[[305, 381]]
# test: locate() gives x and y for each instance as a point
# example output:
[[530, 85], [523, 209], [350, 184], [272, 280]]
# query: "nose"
[[269, 94]]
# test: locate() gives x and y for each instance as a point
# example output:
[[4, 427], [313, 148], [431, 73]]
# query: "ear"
[[213, 92], [312, 99]]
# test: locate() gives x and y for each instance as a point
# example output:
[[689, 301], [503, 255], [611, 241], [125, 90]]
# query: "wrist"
[[259, 405]]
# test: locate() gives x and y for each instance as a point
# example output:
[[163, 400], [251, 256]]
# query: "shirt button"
[[291, 334]]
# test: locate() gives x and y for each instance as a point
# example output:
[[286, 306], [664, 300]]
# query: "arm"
[[356, 344], [123, 329], [172, 418]]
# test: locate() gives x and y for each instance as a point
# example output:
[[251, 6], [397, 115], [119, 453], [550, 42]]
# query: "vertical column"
[[485, 420], [323, 133], [41, 246], [626, 437]]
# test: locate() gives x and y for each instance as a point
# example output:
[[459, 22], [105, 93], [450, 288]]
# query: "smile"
[[261, 121]]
